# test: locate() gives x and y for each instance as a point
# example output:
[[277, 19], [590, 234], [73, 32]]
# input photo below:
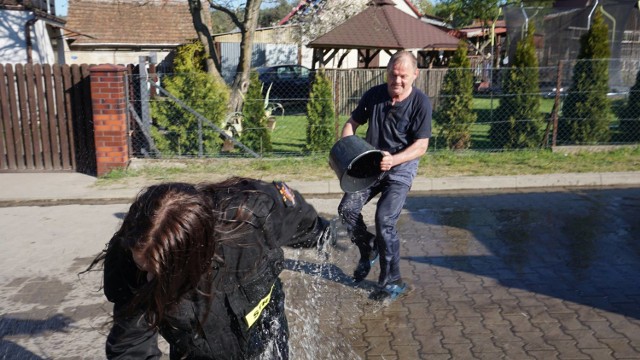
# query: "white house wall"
[[403, 6], [120, 57], [262, 55], [13, 43]]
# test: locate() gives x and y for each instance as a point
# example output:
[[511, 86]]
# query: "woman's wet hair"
[[171, 226], [176, 228]]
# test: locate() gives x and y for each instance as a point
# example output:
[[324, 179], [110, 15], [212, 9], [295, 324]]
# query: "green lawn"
[[289, 136], [432, 165]]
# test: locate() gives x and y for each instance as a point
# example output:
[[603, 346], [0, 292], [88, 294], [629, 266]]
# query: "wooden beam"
[[331, 56], [342, 58], [367, 56]]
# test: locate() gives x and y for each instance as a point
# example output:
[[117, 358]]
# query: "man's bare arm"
[[349, 128], [414, 151]]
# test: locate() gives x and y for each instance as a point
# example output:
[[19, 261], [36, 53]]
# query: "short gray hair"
[[405, 56]]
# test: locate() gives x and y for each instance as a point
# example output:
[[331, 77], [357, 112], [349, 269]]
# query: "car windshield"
[[302, 72]]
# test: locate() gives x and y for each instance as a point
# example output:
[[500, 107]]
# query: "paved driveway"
[[527, 275]]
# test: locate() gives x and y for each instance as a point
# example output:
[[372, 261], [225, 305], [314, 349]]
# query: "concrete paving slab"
[[545, 273]]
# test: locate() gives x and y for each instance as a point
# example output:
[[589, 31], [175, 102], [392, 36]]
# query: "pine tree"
[[586, 111], [177, 131], [455, 115], [255, 133], [518, 118], [630, 123], [320, 114]]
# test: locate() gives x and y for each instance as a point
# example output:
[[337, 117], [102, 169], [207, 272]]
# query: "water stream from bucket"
[[317, 298]]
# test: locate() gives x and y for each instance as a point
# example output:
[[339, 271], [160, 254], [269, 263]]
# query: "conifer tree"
[[455, 115], [586, 111], [630, 123], [177, 131], [255, 133], [320, 114], [518, 117]]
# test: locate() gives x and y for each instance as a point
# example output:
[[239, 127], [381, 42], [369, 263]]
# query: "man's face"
[[400, 79]]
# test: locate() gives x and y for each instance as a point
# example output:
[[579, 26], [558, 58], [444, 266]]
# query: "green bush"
[[255, 134], [320, 115], [586, 111], [455, 115], [518, 118], [176, 130]]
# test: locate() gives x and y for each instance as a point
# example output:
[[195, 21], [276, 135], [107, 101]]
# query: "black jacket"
[[237, 321]]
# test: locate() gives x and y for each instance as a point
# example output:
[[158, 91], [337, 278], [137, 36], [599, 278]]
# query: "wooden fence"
[[46, 118], [46, 115], [350, 84]]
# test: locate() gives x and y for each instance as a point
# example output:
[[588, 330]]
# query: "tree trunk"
[[241, 80], [201, 22]]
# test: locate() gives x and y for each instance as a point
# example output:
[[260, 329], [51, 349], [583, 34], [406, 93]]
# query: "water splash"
[[319, 325]]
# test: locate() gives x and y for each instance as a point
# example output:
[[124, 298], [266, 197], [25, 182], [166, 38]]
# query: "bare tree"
[[245, 17], [324, 16], [202, 25], [246, 23]]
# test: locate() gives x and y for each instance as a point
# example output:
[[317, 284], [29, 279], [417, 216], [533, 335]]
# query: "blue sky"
[[61, 7]]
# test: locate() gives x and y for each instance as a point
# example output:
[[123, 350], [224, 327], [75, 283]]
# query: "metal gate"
[[143, 85]]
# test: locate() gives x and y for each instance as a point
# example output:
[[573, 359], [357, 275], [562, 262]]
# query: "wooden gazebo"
[[380, 27]]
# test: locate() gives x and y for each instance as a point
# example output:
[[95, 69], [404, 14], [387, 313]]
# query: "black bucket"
[[356, 163]]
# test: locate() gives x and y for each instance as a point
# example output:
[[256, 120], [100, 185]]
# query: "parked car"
[[611, 94], [551, 94], [286, 84], [618, 94]]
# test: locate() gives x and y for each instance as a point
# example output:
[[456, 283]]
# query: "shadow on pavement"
[[329, 272], [325, 270], [581, 246], [10, 326]]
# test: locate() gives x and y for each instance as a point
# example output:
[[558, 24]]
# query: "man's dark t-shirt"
[[394, 127]]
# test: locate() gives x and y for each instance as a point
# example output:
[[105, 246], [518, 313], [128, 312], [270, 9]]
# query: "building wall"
[[122, 57], [13, 46], [263, 54], [282, 34]]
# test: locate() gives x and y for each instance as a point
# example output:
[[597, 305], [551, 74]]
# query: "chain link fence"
[[185, 116]]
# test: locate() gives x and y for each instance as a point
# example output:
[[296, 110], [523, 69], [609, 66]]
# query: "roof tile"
[[120, 22], [382, 26]]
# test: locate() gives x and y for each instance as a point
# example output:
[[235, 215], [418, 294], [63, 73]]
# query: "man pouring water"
[[399, 124]]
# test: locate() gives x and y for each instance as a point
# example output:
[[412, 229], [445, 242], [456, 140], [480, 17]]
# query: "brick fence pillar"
[[109, 117]]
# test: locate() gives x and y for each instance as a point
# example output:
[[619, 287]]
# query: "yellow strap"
[[254, 314]]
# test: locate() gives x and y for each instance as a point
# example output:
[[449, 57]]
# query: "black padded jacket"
[[240, 315]]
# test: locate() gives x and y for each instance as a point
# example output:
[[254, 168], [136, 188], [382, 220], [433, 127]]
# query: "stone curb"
[[50, 189]]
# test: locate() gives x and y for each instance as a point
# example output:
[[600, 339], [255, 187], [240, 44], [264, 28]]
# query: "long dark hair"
[[171, 225], [177, 228]]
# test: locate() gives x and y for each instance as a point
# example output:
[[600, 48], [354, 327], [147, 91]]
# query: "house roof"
[[131, 23], [382, 26], [478, 29]]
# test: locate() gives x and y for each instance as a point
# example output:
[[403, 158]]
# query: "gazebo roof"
[[383, 26]]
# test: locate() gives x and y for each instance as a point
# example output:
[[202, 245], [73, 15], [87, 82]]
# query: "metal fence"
[[169, 124]]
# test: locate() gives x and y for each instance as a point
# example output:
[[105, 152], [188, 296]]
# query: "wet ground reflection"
[[581, 245]]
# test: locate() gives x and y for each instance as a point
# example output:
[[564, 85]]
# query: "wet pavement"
[[532, 274]]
